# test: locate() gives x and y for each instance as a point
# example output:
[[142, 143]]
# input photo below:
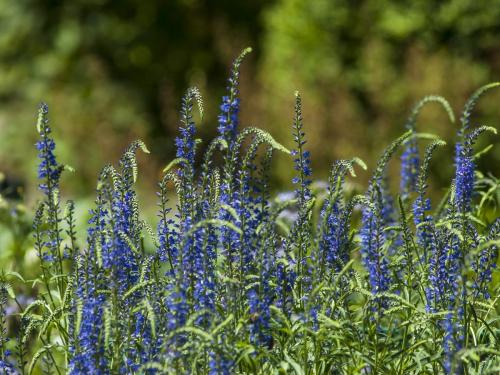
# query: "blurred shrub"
[[113, 72], [362, 64], [15, 233], [113, 69]]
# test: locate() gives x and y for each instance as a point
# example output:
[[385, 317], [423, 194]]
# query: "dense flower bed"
[[240, 282]]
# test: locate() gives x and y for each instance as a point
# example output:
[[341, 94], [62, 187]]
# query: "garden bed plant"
[[234, 279]]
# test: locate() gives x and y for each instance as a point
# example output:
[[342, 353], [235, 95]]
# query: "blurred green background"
[[114, 71]]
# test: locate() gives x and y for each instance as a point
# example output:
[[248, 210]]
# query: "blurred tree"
[[362, 65]]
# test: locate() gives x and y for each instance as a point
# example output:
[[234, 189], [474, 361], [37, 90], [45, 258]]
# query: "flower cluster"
[[48, 169], [323, 279], [228, 118], [410, 162]]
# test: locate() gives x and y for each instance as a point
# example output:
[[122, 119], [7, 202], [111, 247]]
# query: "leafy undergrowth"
[[242, 282]]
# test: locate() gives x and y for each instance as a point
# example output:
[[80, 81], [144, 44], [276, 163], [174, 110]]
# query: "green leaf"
[[297, 368]]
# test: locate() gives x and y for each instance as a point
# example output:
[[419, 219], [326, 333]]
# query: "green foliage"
[[291, 294], [361, 63], [113, 71]]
